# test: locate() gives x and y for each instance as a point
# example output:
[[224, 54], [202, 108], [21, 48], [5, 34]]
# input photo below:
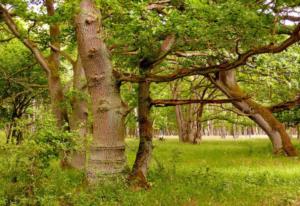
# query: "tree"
[[108, 110], [154, 42]]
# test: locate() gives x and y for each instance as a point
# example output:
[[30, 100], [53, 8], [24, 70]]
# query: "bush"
[[29, 171]]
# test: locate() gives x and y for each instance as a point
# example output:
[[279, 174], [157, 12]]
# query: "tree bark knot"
[[91, 18], [92, 52], [104, 106], [95, 80]]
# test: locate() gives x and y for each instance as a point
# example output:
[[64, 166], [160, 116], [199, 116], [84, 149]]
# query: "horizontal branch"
[[288, 105], [174, 102]]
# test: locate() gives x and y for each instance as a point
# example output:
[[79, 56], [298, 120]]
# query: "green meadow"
[[243, 172]]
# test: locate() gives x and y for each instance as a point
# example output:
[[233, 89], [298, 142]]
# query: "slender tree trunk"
[[143, 157], [54, 82], [181, 124], [185, 125], [79, 116], [144, 153], [198, 134], [262, 116], [107, 151], [8, 133]]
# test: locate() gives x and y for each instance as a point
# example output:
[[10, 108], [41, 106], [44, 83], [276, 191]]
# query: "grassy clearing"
[[212, 173], [220, 173]]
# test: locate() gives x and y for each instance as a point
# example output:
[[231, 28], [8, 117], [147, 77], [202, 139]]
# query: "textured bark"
[[107, 151], [262, 116], [54, 82], [79, 116], [141, 164]]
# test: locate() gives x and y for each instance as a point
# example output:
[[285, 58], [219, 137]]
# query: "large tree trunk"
[[262, 116], [107, 151], [141, 164], [79, 116]]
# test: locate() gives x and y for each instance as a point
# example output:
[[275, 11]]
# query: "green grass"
[[219, 173], [225, 173]]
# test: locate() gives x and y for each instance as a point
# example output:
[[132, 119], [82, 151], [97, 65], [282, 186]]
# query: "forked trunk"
[[107, 150], [259, 114]]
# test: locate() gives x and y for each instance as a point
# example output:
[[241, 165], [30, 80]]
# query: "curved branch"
[[25, 40]]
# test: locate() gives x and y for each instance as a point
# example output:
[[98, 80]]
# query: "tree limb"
[[25, 40], [203, 70], [174, 102], [288, 105]]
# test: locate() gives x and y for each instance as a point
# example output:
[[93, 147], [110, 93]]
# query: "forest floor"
[[217, 173]]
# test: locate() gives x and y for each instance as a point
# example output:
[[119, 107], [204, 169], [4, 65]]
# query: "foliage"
[[21, 78], [30, 169]]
